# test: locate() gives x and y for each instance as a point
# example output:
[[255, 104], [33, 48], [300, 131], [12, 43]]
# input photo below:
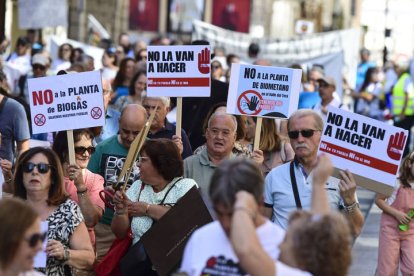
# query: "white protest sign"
[[370, 149], [178, 71], [263, 90], [66, 102], [38, 14]]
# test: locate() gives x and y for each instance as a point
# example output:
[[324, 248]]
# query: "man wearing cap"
[[327, 86]]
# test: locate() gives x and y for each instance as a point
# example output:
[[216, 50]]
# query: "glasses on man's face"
[[41, 167], [35, 238], [307, 133], [81, 150], [151, 107], [226, 133], [323, 84]]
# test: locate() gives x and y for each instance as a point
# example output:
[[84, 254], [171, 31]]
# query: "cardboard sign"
[[178, 71], [38, 14], [370, 149], [66, 102], [263, 91], [165, 240]]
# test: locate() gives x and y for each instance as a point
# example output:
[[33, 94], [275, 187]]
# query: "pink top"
[[94, 183]]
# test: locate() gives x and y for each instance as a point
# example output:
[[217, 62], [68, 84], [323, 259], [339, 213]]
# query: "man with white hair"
[[160, 127]]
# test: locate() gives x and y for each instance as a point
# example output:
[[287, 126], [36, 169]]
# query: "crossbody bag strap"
[[294, 185], [172, 186]]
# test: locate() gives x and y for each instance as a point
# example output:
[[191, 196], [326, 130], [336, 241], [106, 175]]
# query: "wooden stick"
[[71, 147], [257, 134], [179, 112]]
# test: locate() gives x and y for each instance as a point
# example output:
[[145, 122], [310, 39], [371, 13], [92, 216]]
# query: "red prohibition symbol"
[[249, 102], [96, 113], [39, 119]]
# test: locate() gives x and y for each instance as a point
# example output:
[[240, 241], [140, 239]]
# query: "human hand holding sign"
[[204, 61], [252, 105], [396, 145]]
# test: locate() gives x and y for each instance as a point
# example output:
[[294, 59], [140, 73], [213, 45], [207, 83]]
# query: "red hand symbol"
[[396, 145], [204, 61]]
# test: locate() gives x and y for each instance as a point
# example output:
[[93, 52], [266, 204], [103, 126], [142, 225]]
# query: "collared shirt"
[[334, 103], [279, 194], [111, 125], [201, 169], [167, 132]]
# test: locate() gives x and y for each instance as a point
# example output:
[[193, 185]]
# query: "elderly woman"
[[20, 237], [317, 243], [148, 199], [82, 185], [39, 179]]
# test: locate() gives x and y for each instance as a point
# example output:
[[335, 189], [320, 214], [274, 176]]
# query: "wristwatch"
[[66, 254]]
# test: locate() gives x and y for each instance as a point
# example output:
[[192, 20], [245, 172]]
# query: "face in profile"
[[28, 248]]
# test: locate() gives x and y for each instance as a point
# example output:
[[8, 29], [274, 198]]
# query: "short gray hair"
[[304, 113], [165, 100], [223, 114]]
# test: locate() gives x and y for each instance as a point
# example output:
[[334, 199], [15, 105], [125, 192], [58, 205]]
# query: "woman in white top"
[[368, 102], [316, 243]]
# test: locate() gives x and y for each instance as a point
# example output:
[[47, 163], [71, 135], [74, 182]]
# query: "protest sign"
[[38, 14], [263, 91], [178, 71], [66, 102], [370, 149]]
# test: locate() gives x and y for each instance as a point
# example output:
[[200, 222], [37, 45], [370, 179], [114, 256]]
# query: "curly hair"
[[321, 243], [405, 170]]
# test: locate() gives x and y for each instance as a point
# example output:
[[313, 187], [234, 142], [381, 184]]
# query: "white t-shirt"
[[209, 251], [284, 270]]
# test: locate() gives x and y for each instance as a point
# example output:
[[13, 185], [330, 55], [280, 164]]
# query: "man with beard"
[[289, 186]]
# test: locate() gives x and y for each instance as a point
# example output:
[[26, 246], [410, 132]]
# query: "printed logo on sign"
[[396, 145], [96, 113], [204, 61], [249, 102], [39, 119]]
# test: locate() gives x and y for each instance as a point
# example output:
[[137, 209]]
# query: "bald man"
[[107, 161]]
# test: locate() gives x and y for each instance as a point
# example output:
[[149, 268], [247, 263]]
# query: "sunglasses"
[[81, 150], [35, 238], [41, 167], [304, 132]]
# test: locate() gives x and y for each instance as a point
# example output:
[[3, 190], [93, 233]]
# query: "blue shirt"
[[279, 194], [111, 125], [308, 99]]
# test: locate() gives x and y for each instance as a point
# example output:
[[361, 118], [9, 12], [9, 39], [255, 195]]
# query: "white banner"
[[285, 52], [370, 149], [38, 14], [66, 102]]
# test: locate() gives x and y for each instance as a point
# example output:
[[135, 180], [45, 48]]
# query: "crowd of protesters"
[[249, 191]]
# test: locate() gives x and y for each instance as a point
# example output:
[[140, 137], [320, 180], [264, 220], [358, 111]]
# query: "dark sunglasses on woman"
[[81, 150], [35, 238], [41, 167]]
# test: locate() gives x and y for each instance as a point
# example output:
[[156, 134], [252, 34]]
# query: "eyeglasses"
[[143, 158], [216, 131], [151, 107], [81, 150], [323, 84], [307, 133], [35, 238], [41, 167], [38, 66]]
